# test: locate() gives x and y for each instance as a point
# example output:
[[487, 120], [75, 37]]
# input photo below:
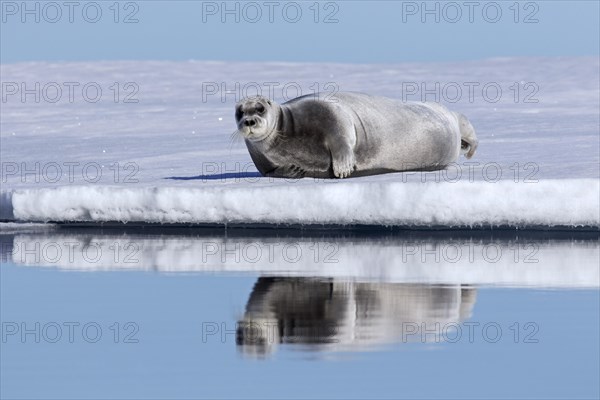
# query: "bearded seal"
[[350, 134]]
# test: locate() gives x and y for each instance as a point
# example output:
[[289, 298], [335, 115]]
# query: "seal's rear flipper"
[[466, 149], [468, 139]]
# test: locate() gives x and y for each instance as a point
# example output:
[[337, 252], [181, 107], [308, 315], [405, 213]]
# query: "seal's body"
[[351, 134]]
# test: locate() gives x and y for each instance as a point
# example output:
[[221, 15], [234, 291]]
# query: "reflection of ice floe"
[[331, 315], [520, 259], [20, 227]]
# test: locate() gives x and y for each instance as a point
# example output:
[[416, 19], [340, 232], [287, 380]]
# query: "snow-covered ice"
[[169, 157], [547, 203]]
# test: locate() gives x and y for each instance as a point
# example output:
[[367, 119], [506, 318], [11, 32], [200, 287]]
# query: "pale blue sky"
[[365, 31]]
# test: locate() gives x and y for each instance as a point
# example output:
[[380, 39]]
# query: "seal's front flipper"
[[343, 161]]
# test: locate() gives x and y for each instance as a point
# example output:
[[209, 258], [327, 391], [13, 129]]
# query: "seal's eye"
[[239, 113], [260, 108]]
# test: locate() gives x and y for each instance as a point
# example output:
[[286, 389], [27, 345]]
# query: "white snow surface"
[[169, 158], [365, 203]]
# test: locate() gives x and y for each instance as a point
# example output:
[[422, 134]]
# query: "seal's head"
[[256, 118]]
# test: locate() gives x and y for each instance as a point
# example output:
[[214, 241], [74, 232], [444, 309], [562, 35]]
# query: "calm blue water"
[[332, 337]]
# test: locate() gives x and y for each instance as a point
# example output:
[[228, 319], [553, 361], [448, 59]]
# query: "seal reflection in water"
[[328, 315], [351, 134]]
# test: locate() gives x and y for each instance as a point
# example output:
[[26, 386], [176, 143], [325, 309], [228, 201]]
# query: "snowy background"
[[156, 145]]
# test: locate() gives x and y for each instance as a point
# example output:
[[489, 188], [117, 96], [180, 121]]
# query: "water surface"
[[400, 315]]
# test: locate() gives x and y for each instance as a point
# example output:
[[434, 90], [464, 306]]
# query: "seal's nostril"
[[251, 122]]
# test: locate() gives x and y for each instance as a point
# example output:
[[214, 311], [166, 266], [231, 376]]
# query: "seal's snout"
[[252, 127], [250, 122]]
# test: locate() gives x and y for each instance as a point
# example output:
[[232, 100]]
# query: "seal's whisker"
[[234, 138], [281, 135]]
